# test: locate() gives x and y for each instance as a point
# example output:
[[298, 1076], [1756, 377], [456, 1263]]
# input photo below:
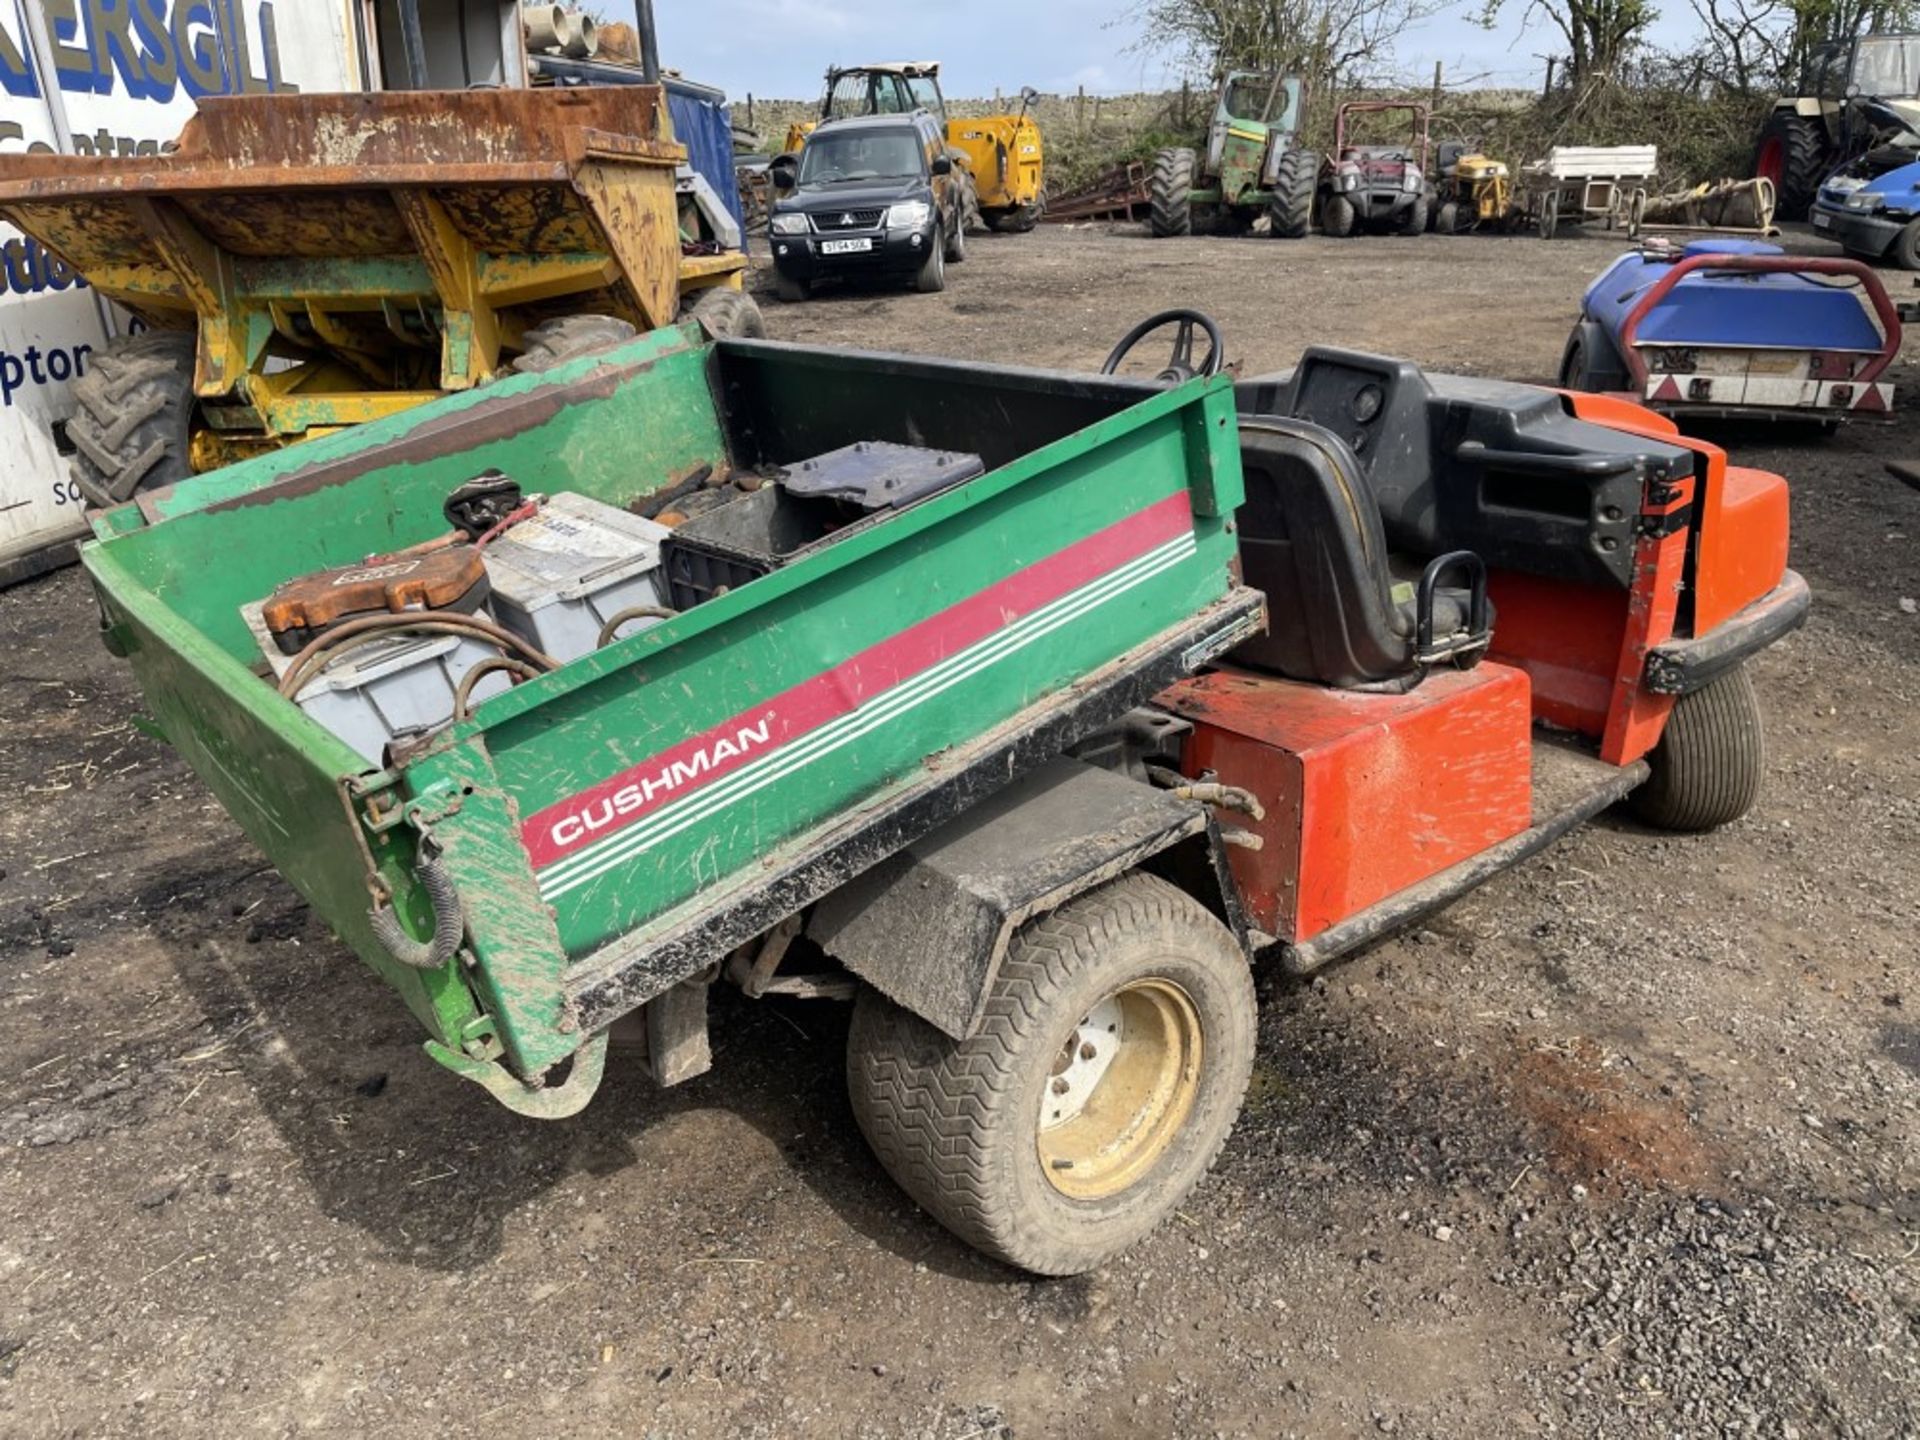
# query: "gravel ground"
[[1621, 1145]]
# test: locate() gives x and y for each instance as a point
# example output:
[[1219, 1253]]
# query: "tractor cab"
[[882, 88], [1254, 122]]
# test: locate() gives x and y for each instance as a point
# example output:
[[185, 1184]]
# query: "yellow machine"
[[1002, 156], [1475, 191]]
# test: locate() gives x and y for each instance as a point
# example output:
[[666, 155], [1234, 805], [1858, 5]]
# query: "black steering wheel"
[[1180, 366]]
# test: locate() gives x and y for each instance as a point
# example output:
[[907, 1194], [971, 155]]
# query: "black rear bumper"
[[1681, 667]]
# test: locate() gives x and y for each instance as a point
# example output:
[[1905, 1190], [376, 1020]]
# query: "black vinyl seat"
[[1311, 539]]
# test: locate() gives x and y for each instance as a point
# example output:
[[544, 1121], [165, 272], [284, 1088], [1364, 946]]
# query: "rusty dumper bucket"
[[393, 246]]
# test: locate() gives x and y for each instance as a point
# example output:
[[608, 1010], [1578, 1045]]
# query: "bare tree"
[[1341, 43], [1747, 44], [1599, 33]]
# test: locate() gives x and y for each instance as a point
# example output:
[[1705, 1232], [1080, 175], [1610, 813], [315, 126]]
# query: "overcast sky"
[[780, 48]]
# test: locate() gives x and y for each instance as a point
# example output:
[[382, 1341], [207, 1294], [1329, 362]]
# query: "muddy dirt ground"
[[1623, 1144]]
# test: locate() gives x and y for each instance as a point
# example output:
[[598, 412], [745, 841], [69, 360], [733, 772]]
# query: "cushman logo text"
[[594, 816]]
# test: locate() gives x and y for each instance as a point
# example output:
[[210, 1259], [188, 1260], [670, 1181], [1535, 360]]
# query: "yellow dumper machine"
[[302, 263], [1001, 156]]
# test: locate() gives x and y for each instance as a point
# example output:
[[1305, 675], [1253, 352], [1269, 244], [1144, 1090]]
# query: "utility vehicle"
[[1138, 684], [1376, 187]]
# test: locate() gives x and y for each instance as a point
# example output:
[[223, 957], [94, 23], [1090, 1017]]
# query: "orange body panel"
[[1744, 530], [1365, 794], [1567, 638]]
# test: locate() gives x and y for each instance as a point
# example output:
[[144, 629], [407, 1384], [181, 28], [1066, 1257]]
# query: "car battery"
[[817, 502], [561, 576], [385, 690]]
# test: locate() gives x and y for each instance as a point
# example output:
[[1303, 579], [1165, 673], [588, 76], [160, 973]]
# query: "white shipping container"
[[129, 75]]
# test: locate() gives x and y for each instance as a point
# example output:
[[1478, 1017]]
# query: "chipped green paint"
[[616, 427]]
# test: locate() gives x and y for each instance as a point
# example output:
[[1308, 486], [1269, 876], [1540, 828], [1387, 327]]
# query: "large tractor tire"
[[1337, 216], [1290, 214], [133, 422], [552, 343], [1792, 153], [969, 207], [727, 314], [1708, 764], [1100, 1087], [1170, 191]]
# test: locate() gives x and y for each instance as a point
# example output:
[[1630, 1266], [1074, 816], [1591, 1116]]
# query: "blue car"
[[1737, 329], [1876, 218]]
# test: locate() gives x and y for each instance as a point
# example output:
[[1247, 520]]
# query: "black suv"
[[870, 196]]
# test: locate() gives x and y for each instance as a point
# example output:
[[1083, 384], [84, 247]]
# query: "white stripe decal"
[[888, 702], [619, 849]]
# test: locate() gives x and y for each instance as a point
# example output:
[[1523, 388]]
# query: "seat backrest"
[[1311, 540], [1460, 463]]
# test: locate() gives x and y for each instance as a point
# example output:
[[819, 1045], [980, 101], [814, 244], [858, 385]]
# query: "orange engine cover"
[[1365, 794]]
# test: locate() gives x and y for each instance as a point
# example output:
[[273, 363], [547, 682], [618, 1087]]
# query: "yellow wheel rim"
[[1121, 1087]]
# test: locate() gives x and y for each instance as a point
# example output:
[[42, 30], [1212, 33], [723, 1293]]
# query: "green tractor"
[[1252, 164]]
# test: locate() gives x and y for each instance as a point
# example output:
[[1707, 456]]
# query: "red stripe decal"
[[614, 804]]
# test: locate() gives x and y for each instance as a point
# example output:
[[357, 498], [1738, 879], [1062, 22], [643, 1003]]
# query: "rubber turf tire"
[[1905, 250], [1805, 161], [931, 277], [791, 292], [1170, 194], [1290, 212], [552, 343], [1710, 759], [1446, 220], [1020, 220], [1337, 217], [132, 424], [1414, 221], [728, 314], [953, 1122]]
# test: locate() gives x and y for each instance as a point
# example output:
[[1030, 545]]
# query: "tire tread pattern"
[[1290, 215], [1805, 162], [929, 1106], [133, 414], [1170, 192], [1709, 762], [552, 343]]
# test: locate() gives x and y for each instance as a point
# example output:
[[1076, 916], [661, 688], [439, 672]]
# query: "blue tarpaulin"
[[702, 123]]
